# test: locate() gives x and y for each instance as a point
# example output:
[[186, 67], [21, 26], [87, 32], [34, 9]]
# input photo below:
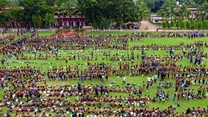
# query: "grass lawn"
[[46, 65]]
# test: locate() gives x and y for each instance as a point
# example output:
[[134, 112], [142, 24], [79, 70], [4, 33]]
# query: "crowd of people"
[[25, 97], [6, 39]]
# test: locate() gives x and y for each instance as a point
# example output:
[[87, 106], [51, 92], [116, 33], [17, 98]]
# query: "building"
[[70, 21]]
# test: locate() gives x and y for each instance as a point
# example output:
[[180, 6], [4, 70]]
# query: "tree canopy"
[[103, 13]]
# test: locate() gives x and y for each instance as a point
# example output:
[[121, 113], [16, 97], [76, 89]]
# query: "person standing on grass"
[[174, 96], [7, 63], [96, 91], [124, 80], [79, 87], [83, 77], [102, 78], [101, 90], [155, 78], [8, 115]]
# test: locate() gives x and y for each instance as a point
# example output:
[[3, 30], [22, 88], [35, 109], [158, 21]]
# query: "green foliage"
[[4, 16], [193, 25], [68, 7], [199, 25], [188, 25], [206, 22], [37, 20], [172, 24], [155, 5], [4, 3], [102, 12], [49, 19], [190, 3], [164, 25], [168, 25], [182, 24], [50, 2], [177, 24], [17, 14], [35, 8]]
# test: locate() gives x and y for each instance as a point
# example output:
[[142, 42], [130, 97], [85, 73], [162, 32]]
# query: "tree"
[[49, 20], [199, 25], [17, 14], [50, 2], [59, 6], [189, 3], [164, 25], [143, 10], [4, 3], [203, 11], [119, 12], [172, 24], [184, 12], [188, 25], [193, 25], [168, 10], [154, 5], [34, 20], [177, 24], [35, 8], [168, 25], [182, 24], [37, 20], [206, 22], [5, 16]]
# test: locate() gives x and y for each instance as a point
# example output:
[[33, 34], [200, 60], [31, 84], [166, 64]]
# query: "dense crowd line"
[[6, 39], [24, 97]]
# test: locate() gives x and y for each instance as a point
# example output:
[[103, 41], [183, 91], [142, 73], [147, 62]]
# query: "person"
[[74, 114], [155, 78], [124, 80], [79, 87], [3, 33], [83, 77], [2, 61], [149, 78], [8, 115], [96, 91], [174, 96], [102, 79], [101, 90], [7, 63]]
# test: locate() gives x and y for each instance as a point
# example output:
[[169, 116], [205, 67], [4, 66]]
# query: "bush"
[[182, 24], [164, 25], [188, 25]]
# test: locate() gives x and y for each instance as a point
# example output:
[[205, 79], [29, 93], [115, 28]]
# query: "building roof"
[[192, 9]]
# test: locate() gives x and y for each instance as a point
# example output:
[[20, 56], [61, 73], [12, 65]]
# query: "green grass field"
[[47, 64]]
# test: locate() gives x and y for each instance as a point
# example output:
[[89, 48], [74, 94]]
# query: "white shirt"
[[124, 78], [149, 79]]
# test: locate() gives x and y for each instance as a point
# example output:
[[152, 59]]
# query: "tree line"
[[189, 25], [100, 13], [104, 13], [179, 15]]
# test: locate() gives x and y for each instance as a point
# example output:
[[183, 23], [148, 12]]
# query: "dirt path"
[[145, 24]]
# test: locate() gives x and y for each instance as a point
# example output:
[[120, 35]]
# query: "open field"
[[47, 65]]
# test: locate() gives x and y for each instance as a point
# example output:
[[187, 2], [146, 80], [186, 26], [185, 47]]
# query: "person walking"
[[174, 96], [124, 80]]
